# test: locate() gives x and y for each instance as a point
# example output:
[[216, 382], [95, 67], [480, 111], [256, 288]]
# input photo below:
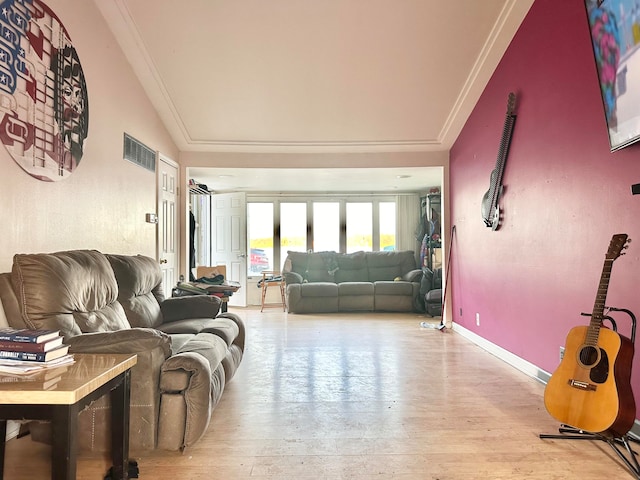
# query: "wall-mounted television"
[[615, 38]]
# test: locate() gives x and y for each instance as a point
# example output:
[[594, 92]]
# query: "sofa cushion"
[[393, 288], [389, 265], [393, 303], [300, 302], [319, 276], [297, 261], [225, 328], [139, 288], [352, 267], [190, 306], [9, 306], [314, 267], [355, 296], [319, 289], [355, 288], [356, 303], [75, 292], [292, 277]]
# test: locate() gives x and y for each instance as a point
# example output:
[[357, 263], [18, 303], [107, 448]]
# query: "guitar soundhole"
[[598, 361], [589, 356]]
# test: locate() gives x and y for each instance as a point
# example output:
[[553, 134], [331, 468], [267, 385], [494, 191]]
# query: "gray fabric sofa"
[[115, 304], [362, 281]]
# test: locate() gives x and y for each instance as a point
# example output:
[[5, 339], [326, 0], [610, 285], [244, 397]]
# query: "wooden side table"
[[89, 378], [272, 278], [224, 302]]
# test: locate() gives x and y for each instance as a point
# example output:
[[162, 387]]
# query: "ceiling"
[[319, 180], [314, 76]]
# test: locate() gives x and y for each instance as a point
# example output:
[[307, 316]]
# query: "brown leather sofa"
[[102, 303]]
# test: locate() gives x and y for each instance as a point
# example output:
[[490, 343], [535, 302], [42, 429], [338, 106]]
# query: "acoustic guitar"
[[591, 389]]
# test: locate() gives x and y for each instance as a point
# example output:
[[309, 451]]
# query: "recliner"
[[432, 288], [115, 304]]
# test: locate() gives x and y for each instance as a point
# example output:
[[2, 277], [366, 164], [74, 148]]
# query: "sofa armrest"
[[195, 306], [186, 370], [190, 390], [413, 276], [133, 340], [292, 278], [242, 333], [152, 348]]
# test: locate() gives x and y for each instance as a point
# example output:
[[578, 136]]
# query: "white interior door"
[[229, 240], [168, 239]]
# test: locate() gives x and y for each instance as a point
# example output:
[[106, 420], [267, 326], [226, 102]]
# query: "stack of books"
[[28, 351]]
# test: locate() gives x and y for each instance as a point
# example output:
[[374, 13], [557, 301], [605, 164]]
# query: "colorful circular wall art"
[[44, 109]]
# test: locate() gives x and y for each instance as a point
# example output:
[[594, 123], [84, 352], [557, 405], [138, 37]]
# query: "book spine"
[[30, 356], [18, 338], [22, 346]]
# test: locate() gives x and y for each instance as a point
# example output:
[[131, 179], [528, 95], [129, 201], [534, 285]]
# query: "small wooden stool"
[[271, 278]]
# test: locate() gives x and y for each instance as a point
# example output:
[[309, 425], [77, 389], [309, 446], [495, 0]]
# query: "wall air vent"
[[138, 153]]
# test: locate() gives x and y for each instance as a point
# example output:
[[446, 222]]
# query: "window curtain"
[[407, 223]]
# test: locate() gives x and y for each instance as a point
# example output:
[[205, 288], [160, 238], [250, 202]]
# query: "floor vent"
[[138, 153]]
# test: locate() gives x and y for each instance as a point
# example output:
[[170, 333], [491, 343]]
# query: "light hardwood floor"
[[363, 396]]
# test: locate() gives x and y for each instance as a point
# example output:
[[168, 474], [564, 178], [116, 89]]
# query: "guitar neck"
[[503, 151], [598, 307]]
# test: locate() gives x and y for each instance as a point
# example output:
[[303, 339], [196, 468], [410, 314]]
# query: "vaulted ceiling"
[[310, 75]]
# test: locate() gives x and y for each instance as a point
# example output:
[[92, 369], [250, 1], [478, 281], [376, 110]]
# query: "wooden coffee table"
[[89, 378]]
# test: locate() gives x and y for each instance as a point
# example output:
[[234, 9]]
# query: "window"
[[293, 229], [260, 233], [349, 224], [387, 221], [359, 227], [326, 227]]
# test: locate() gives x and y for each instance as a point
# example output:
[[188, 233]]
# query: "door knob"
[[164, 260]]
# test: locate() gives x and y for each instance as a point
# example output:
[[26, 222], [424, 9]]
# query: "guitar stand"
[[566, 432], [132, 471], [628, 455]]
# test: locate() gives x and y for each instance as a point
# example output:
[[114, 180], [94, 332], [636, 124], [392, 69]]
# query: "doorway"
[[220, 237], [168, 243]]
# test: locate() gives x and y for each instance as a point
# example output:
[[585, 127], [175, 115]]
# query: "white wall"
[[102, 205]]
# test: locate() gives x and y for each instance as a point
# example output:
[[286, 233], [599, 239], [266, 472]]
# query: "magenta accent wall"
[[565, 196]]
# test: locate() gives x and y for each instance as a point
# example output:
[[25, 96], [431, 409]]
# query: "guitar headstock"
[[511, 103], [618, 243]]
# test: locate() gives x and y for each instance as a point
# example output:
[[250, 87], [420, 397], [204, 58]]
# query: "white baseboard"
[[524, 366]]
